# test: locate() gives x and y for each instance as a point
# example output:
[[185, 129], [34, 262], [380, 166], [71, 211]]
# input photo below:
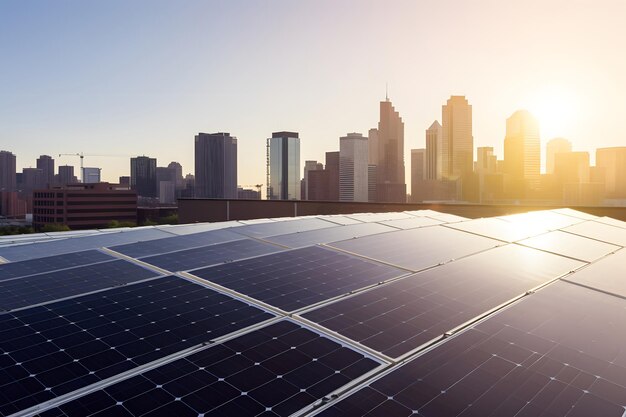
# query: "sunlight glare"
[[556, 109]]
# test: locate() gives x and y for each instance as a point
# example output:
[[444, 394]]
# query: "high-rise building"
[[353, 163], [66, 175], [455, 156], [46, 164], [418, 171], [309, 166], [143, 176], [166, 182], [283, 161], [216, 165], [434, 136], [390, 182], [556, 145], [92, 175], [571, 167], [178, 174], [372, 140], [613, 160], [522, 150], [7, 171]]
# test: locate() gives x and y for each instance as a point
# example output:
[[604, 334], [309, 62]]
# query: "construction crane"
[[82, 157], [257, 186]]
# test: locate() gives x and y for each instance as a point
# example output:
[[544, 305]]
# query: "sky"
[[122, 78]]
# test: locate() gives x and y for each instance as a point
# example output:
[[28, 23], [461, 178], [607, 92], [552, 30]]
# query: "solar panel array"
[[409, 313]]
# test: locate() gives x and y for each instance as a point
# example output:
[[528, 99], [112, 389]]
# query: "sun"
[[556, 109]]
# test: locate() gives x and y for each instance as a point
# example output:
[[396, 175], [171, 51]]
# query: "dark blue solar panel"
[[50, 286], [51, 263], [282, 227], [54, 349], [171, 244], [298, 278], [211, 255], [407, 313], [276, 371], [559, 352]]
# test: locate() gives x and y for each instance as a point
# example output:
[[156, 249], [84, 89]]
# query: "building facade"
[[353, 167], [46, 164], [143, 176], [215, 165], [418, 172], [434, 136], [8, 171], [84, 206], [553, 147], [455, 156], [283, 166], [522, 149], [390, 181]]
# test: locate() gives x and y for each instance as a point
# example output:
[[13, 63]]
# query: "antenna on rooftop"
[[386, 92]]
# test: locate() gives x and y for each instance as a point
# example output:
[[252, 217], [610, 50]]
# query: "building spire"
[[386, 92]]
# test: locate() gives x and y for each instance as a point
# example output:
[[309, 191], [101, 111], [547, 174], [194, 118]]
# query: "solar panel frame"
[[298, 278], [417, 249], [262, 230], [11, 270], [532, 358], [50, 286], [411, 223], [606, 275], [571, 245], [499, 229], [205, 256], [77, 342], [329, 235], [599, 231], [281, 368], [406, 314]]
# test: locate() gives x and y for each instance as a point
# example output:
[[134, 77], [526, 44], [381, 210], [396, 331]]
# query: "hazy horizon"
[[144, 77]]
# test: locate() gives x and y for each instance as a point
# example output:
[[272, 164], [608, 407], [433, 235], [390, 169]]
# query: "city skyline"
[[85, 100]]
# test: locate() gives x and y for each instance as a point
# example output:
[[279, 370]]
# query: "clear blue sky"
[[142, 77]]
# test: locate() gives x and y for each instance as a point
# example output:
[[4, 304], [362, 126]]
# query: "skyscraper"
[[7, 171], [372, 164], [522, 149], [309, 166], [92, 175], [46, 164], [456, 152], [216, 165], [556, 145], [613, 161], [434, 136], [66, 175], [283, 161], [418, 171], [353, 163], [143, 176], [390, 183]]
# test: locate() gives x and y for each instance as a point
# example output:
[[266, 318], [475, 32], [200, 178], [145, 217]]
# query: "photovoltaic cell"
[[499, 229], [61, 246], [559, 352], [404, 314], [571, 245], [54, 349], [411, 223], [171, 244], [313, 237], [548, 220], [420, 248], [298, 278], [282, 227], [274, 371], [608, 274], [599, 231], [211, 255], [50, 286], [51, 263]]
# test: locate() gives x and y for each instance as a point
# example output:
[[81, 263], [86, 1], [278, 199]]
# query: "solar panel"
[[313, 237], [611, 221], [599, 231], [279, 228], [559, 352], [51, 263], [379, 217], [54, 349], [570, 245], [404, 314], [444, 217], [186, 229], [417, 249], [61, 246], [211, 255], [575, 213], [342, 220], [499, 229], [411, 223], [608, 274], [548, 220], [298, 278], [276, 370], [171, 244], [50, 286]]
